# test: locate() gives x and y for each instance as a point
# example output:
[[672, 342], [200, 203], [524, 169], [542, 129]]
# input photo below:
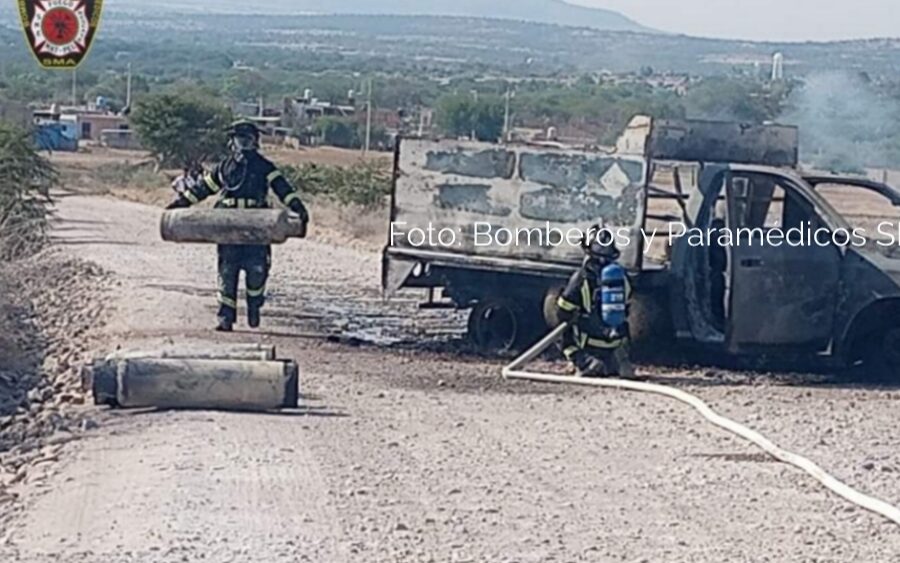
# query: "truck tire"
[[550, 308], [652, 333], [502, 325], [881, 357]]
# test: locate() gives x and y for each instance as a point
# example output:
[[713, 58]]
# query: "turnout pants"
[[255, 261], [578, 347]]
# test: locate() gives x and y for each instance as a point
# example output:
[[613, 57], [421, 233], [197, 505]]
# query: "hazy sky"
[[764, 19]]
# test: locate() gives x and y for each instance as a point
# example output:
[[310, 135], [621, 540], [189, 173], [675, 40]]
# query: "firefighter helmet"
[[600, 243]]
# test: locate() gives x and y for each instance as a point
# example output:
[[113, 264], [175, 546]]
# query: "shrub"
[[339, 132], [25, 182], [365, 184], [181, 129]]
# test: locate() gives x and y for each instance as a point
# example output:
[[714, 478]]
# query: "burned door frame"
[[688, 294], [781, 296]]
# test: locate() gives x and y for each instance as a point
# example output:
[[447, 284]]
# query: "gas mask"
[[243, 145], [599, 245]]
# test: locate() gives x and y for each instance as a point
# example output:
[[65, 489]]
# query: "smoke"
[[846, 123]]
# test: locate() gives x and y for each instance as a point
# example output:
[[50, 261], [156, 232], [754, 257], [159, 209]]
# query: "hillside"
[[539, 11]]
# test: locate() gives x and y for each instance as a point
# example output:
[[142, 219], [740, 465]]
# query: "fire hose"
[[515, 371]]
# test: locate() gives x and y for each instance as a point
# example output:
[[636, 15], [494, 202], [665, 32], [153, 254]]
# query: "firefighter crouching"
[[243, 181], [595, 304]]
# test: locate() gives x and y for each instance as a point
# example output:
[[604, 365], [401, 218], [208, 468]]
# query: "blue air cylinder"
[[613, 296]]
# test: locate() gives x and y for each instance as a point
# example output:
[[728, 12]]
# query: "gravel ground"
[[406, 454], [49, 304]]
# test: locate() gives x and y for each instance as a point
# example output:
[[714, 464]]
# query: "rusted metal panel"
[[469, 187], [715, 141]]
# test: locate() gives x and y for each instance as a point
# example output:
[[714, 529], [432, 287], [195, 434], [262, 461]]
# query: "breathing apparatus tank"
[[613, 296]]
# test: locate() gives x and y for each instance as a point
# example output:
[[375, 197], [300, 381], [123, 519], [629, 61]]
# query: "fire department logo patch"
[[60, 32]]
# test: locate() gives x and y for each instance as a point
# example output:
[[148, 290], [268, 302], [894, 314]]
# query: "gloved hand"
[[180, 203], [297, 207]]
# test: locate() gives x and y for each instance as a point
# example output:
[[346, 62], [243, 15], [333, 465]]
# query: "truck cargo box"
[[500, 202]]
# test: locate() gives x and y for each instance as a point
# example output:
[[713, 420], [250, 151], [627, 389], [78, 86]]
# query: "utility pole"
[[474, 111], [74, 87], [368, 142], [422, 123], [128, 88], [506, 115]]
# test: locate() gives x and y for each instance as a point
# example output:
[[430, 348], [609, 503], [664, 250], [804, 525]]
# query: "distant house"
[[50, 136], [120, 139], [307, 109], [80, 122], [92, 124]]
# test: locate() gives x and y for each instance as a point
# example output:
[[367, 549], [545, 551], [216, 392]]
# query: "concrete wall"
[[92, 125]]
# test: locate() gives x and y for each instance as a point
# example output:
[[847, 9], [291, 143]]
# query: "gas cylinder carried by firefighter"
[[613, 297]]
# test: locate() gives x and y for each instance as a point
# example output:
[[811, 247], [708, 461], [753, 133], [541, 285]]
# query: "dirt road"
[[401, 454]]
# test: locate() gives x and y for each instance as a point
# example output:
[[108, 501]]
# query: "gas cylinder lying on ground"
[[249, 352], [231, 226], [196, 384]]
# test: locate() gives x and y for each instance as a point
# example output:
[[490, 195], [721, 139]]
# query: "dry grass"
[[365, 229], [330, 156], [130, 175]]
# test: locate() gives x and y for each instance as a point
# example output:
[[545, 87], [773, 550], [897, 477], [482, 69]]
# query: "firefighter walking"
[[242, 181], [595, 304]]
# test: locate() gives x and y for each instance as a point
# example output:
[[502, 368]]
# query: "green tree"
[[114, 87], [735, 99], [338, 132], [247, 85], [461, 115], [181, 129], [25, 181]]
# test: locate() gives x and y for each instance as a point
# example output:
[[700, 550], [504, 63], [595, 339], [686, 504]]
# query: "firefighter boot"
[[587, 365], [253, 316], [619, 362], [225, 325]]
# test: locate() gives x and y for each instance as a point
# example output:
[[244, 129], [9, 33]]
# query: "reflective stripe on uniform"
[[190, 196], [241, 203], [586, 297], [580, 339], [566, 305], [274, 176], [227, 301], [584, 341], [571, 351], [603, 344], [291, 197], [256, 292], [211, 183]]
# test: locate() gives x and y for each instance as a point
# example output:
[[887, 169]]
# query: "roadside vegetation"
[[181, 129], [26, 178], [365, 184]]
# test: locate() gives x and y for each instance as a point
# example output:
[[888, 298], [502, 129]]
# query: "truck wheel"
[[881, 358], [494, 326], [502, 325], [550, 308]]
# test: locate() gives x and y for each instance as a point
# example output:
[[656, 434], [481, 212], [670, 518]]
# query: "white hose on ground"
[[515, 371]]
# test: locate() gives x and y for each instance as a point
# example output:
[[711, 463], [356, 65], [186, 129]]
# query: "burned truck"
[[483, 227]]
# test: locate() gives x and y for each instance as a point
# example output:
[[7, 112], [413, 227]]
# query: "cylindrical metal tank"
[[231, 226], [196, 384], [248, 352]]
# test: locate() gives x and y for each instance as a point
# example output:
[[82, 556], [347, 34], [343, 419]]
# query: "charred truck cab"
[[493, 221]]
